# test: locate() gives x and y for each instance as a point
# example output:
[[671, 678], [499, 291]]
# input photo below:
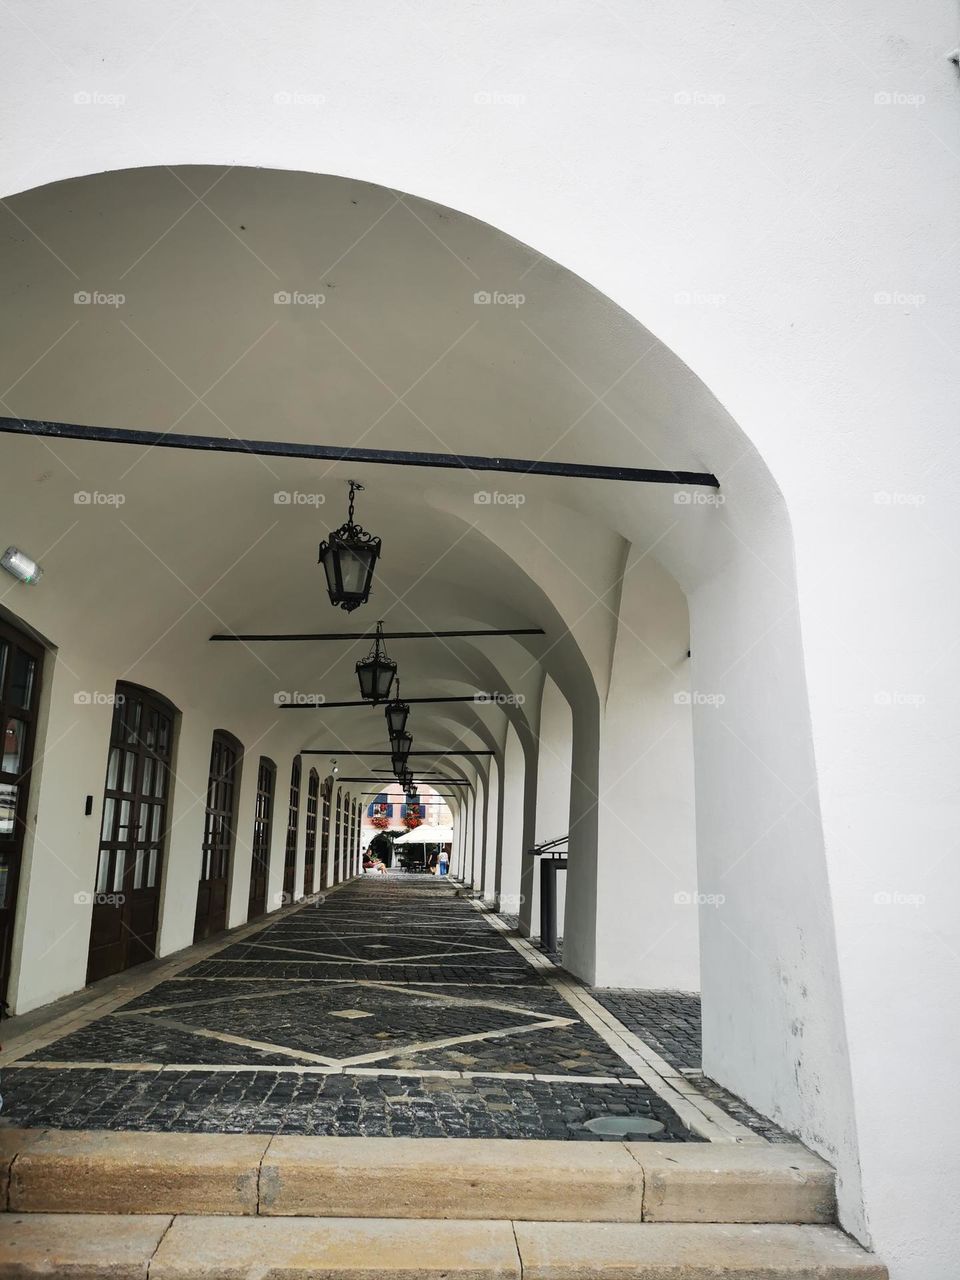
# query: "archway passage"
[[302, 309]]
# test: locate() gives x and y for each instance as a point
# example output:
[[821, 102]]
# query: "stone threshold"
[[92, 1172], [160, 1247]]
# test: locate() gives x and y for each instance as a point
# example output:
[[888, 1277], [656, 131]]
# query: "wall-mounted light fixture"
[[19, 564]]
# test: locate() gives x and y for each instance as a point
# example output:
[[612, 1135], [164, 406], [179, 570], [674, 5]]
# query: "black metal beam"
[[427, 782], [371, 635], [343, 751], [490, 700], [434, 786], [350, 453]]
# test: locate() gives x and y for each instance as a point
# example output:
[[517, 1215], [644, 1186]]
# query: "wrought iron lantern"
[[396, 713], [376, 671], [401, 744], [348, 557]]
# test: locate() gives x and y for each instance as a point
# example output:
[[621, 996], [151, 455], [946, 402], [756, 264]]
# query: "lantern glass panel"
[[356, 567], [384, 680], [330, 560]]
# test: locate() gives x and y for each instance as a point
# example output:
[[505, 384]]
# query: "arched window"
[[293, 823], [310, 835]]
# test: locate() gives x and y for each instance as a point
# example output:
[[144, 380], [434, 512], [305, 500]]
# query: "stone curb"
[[75, 1171]]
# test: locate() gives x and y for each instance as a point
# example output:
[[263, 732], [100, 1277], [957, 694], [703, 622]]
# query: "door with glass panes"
[[310, 836], [133, 829], [293, 824], [262, 824], [219, 835], [21, 662]]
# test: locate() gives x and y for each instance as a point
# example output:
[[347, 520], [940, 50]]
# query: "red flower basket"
[[412, 822], [380, 823]]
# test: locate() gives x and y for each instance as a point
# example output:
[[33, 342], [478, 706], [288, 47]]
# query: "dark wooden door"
[[310, 835], [262, 822], [21, 665], [337, 837], [219, 836], [133, 830], [293, 823], [326, 791]]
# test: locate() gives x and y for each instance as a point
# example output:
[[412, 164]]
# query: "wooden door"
[[262, 824], [337, 837], [310, 835], [133, 831], [326, 793], [219, 835], [21, 665], [293, 823]]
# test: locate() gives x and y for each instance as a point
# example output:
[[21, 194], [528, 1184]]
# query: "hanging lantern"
[[401, 744], [396, 713], [348, 557], [375, 672]]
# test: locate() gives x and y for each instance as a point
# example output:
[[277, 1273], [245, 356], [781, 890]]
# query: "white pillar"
[[493, 825], [554, 761], [647, 895], [519, 815]]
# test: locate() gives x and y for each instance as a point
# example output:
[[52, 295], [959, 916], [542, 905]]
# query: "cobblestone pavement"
[[669, 1021], [389, 1008]]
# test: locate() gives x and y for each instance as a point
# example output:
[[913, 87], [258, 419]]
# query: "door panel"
[[262, 823], [219, 835], [310, 841], [133, 827], [326, 792], [293, 822], [21, 663]]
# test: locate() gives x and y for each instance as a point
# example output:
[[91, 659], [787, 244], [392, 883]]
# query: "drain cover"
[[623, 1126]]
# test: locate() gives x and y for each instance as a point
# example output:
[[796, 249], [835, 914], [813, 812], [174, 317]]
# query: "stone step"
[[63, 1171], [150, 1247]]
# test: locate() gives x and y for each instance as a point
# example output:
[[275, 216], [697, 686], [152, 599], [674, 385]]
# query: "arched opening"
[[286, 330]]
